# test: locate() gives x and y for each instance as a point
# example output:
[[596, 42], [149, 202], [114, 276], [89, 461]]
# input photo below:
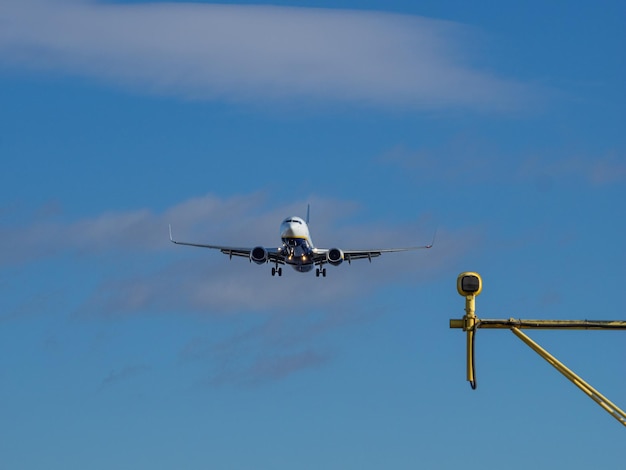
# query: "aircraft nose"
[[287, 231]]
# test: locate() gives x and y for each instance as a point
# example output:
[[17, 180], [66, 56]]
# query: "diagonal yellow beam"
[[591, 392]]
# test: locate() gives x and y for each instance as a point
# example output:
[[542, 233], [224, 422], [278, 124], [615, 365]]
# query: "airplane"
[[297, 250]]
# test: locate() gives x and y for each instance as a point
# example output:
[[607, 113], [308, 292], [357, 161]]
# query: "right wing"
[[272, 253]]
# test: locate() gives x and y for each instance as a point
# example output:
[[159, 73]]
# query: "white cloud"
[[470, 158], [597, 170], [255, 53], [151, 274], [134, 231]]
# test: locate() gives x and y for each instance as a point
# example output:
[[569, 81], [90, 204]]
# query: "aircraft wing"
[[272, 253], [349, 255]]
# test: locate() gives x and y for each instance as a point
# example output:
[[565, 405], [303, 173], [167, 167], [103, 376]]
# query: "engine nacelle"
[[334, 256], [258, 255]]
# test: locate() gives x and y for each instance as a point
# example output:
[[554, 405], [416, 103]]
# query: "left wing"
[[322, 254], [356, 254]]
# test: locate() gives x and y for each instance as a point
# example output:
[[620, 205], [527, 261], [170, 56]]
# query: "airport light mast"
[[469, 285]]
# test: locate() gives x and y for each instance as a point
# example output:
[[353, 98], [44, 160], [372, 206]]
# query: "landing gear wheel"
[[273, 271]]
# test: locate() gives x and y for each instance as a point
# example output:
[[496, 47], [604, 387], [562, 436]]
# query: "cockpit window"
[[294, 220]]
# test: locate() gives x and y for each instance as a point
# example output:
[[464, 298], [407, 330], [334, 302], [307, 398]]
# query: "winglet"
[[433, 242], [171, 239]]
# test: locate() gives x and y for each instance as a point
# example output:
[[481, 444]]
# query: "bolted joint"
[[469, 321]]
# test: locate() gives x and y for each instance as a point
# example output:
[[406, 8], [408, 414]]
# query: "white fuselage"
[[297, 243]]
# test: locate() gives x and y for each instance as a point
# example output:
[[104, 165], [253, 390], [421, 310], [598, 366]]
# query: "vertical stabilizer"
[[308, 211]]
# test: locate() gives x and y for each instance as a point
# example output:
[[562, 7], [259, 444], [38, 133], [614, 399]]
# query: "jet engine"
[[334, 256], [258, 255]]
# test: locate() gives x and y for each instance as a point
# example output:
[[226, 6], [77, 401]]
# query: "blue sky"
[[501, 127]]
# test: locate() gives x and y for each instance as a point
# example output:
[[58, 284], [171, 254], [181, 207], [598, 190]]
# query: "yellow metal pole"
[[469, 285], [552, 324], [469, 327], [591, 392]]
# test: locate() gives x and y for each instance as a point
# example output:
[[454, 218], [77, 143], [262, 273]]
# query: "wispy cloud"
[[279, 367], [278, 346], [601, 170], [126, 373], [179, 278], [469, 158], [137, 231], [256, 53], [36, 304]]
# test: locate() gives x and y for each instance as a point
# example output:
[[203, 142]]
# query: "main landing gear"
[[277, 270], [321, 272]]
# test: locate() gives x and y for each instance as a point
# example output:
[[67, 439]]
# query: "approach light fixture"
[[469, 283]]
